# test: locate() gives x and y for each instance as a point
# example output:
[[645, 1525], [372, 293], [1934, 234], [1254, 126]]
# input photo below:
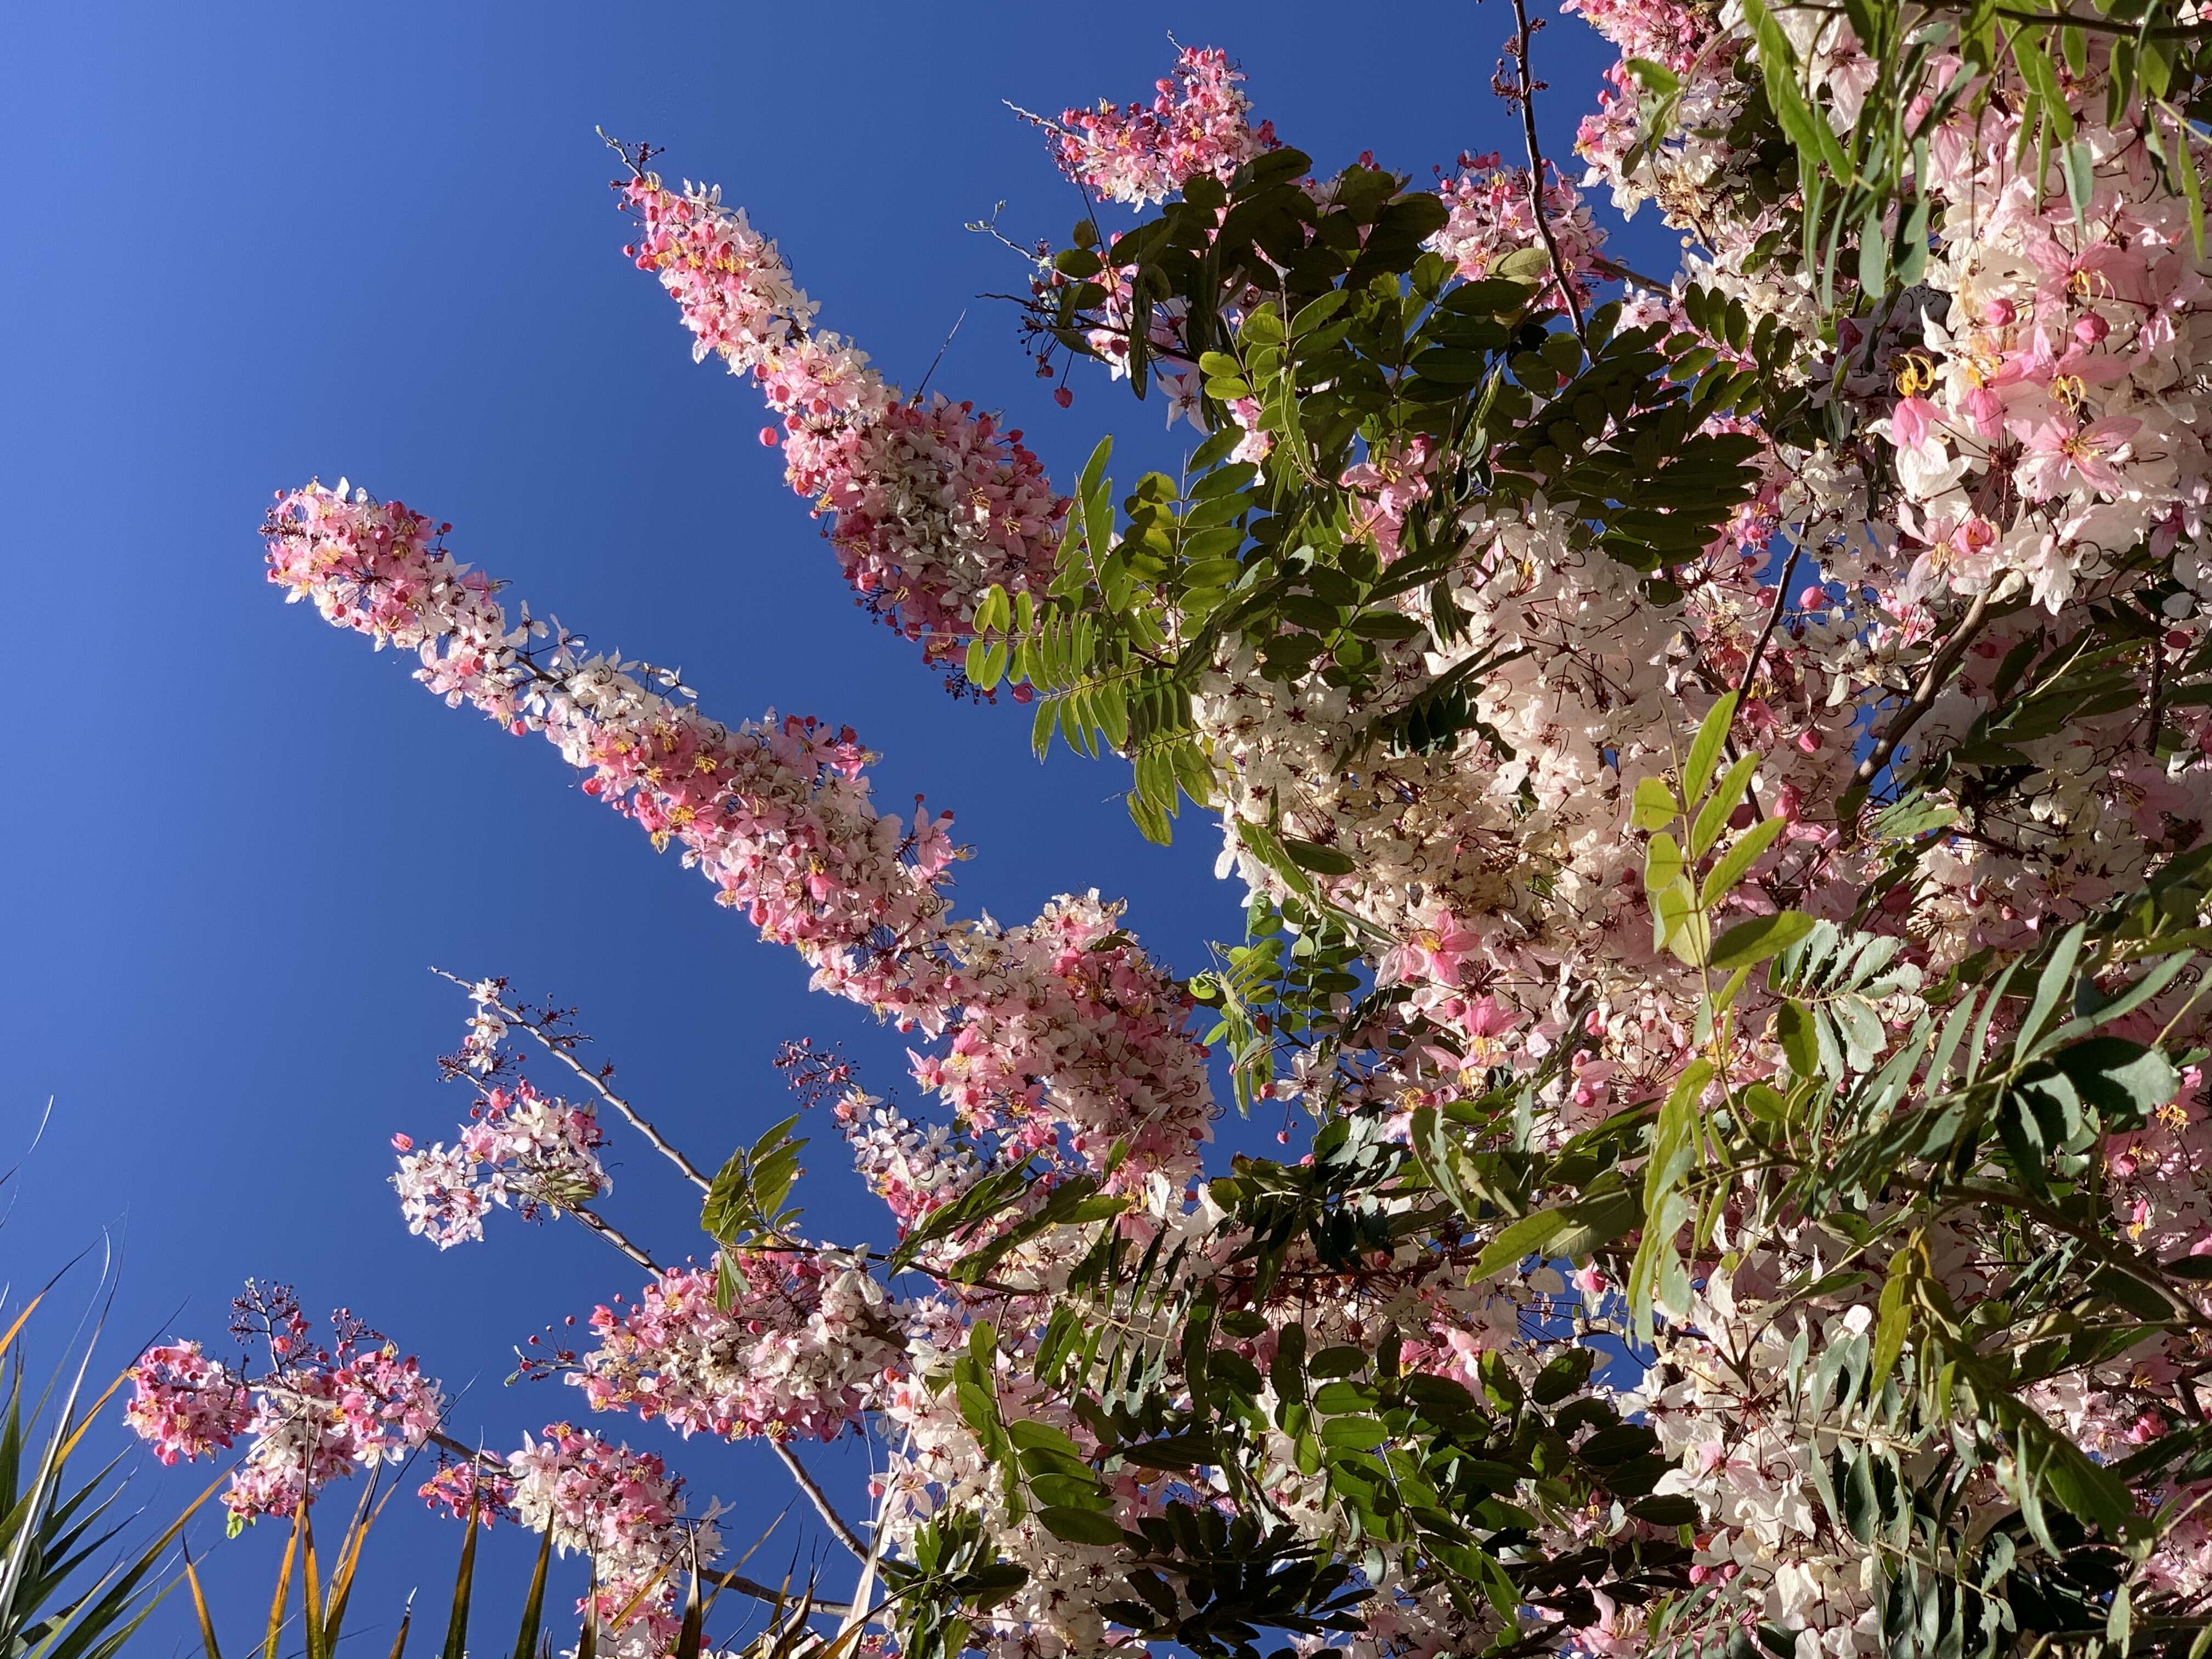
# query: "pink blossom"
[[929, 503], [1064, 1032], [316, 1414], [2057, 451], [1434, 950], [1197, 126], [802, 1349], [1492, 216], [183, 1404], [622, 1510]]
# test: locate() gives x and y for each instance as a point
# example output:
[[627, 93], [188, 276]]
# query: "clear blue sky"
[[254, 243]]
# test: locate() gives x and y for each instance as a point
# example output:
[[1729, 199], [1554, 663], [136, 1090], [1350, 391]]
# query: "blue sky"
[[256, 243]]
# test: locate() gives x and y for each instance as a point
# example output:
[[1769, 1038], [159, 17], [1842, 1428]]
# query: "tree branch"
[[614, 1236], [1922, 699], [1614, 268], [1774, 616], [820, 1499], [739, 1582], [629, 1113], [1528, 102], [1757, 651]]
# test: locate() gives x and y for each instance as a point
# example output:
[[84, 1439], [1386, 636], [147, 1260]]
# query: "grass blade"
[[311, 1599], [689, 1637], [526, 1640], [283, 1594], [357, 1534], [406, 1617], [200, 1609], [457, 1627], [588, 1638], [16, 1330]]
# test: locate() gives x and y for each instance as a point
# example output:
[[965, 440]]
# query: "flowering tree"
[[1718, 770]]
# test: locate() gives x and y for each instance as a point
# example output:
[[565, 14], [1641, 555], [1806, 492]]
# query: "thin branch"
[[941, 350], [1527, 100], [1922, 699], [614, 1236], [1751, 665], [629, 1113], [1607, 266], [1774, 616], [2145, 1273], [820, 1499], [739, 1582]]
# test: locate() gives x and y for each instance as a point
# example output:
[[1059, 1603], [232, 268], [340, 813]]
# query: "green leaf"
[[1794, 1029], [1742, 854], [1727, 796], [1712, 732], [1808, 130], [995, 1193], [2191, 187], [2125, 1081], [1173, 1451], [1563, 1375], [1322, 860], [2057, 974], [1517, 1241], [1874, 253], [1076, 1526], [1656, 806], [1757, 940], [1893, 1315]]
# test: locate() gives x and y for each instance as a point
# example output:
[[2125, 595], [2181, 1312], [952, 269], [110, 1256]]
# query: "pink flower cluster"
[[624, 1511], [1198, 124], [802, 1351], [916, 1169], [315, 1423], [1492, 216], [1071, 1031], [520, 1148], [1388, 485], [930, 503], [1668, 32], [313, 1416], [184, 1405], [1685, 39], [779, 816], [2059, 381], [470, 1484]]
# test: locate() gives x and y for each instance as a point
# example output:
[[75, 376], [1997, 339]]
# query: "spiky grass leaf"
[[533, 1607], [456, 1626]]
